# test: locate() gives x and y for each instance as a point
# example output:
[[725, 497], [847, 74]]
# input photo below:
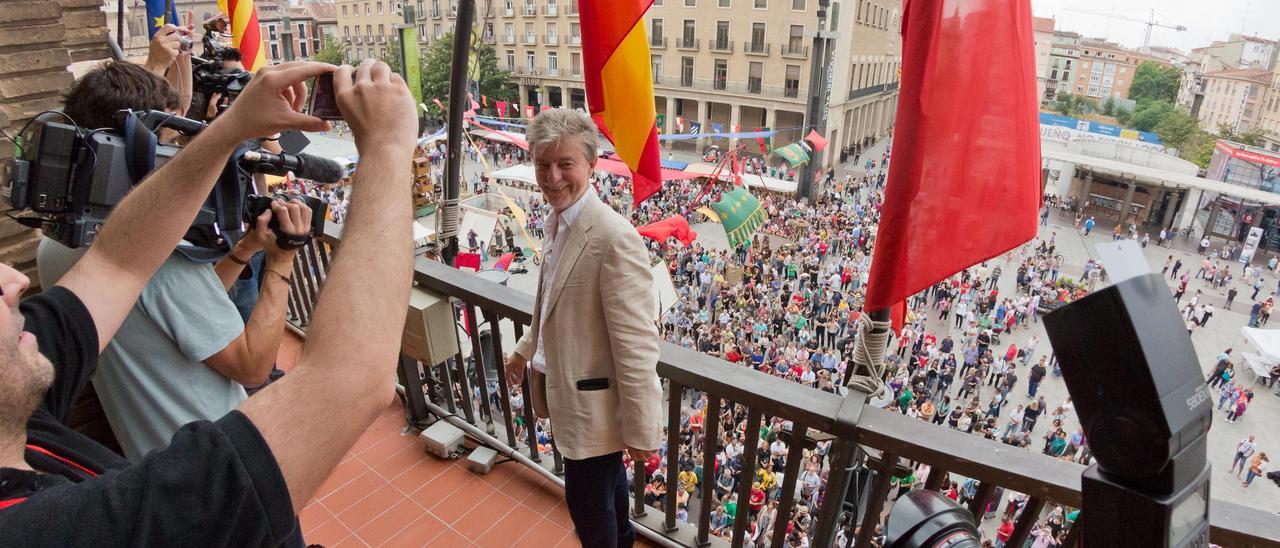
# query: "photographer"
[[238, 481], [185, 353]]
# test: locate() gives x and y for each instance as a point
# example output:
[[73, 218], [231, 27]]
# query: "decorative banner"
[[740, 214], [737, 168], [695, 128], [504, 262], [716, 128], [502, 108], [246, 34], [710, 213], [661, 122], [764, 151], [675, 225], [528, 111], [793, 153], [816, 140], [484, 99]]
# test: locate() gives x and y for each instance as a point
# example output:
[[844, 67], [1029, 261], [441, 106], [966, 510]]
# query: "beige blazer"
[[600, 340]]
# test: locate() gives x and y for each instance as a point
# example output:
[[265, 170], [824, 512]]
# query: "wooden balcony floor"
[[388, 491]]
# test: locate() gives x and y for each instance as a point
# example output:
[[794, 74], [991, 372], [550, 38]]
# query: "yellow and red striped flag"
[[619, 82], [246, 34]]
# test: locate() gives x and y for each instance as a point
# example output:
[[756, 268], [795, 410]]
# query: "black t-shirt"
[[1037, 373], [216, 484]]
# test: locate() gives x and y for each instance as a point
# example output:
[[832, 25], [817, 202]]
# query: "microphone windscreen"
[[319, 169]]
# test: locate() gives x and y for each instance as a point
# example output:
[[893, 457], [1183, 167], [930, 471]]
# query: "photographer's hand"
[[376, 104], [163, 49], [273, 101], [294, 219]]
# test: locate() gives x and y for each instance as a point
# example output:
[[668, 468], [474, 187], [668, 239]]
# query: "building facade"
[[1064, 59], [1270, 118], [295, 33], [365, 26], [724, 64], [1234, 98], [1106, 69], [1044, 41]]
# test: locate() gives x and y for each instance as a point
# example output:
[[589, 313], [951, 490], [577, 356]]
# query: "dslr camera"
[[208, 76], [255, 205]]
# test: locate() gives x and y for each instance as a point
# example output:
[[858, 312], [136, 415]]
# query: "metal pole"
[[120, 24], [457, 105], [819, 96]]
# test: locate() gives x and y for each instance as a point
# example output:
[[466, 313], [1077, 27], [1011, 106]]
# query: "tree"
[[391, 55], [1150, 115], [1068, 104], [1155, 82], [1178, 129], [333, 52], [1109, 106], [482, 69]]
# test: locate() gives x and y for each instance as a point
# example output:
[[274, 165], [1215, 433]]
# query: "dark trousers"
[[595, 490]]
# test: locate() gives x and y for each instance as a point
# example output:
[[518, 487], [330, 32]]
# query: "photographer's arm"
[[135, 241], [346, 372]]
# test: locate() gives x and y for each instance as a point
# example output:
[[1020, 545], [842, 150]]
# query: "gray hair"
[[555, 125]]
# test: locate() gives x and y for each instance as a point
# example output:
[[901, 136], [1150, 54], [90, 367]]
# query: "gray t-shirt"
[[152, 379]]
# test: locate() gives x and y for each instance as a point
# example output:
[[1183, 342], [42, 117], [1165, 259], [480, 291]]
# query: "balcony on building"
[[530, 10], [687, 44], [575, 39], [520, 502], [550, 10], [756, 48], [530, 39], [796, 51], [721, 46], [509, 39], [552, 39], [657, 42]]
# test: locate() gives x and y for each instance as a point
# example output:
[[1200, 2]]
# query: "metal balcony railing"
[[530, 10], [530, 39], [575, 40], [474, 393], [721, 46], [553, 71], [690, 44], [550, 10], [657, 42], [795, 50], [509, 39], [552, 39], [756, 48]]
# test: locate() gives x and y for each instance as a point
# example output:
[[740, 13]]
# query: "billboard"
[[1241, 165]]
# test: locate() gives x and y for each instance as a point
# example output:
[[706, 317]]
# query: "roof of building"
[[1257, 75], [1042, 24], [323, 11]]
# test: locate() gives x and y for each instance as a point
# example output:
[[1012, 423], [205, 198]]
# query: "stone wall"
[[38, 40]]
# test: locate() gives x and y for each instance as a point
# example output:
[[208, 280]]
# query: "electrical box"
[[442, 439], [430, 335], [481, 460]]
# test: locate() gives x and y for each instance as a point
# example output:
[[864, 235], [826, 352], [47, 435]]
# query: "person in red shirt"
[[1004, 532], [733, 355], [1011, 352]]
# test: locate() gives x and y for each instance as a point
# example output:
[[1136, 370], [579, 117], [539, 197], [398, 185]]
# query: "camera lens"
[[926, 519]]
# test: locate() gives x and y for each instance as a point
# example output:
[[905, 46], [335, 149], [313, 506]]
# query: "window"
[[271, 31], [795, 38], [302, 30], [687, 32], [368, 30], [761, 4], [302, 48], [422, 32], [797, 5], [792, 87], [757, 36], [367, 11], [657, 2], [725, 3], [575, 33], [344, 10], [379, 8], [511, 59], [686, 71], [382, 31], [657, 32], [275, 51], [530, 61], [437, 31], [721, 74], [690, 3], [755, 75], [553, 34], [834, 21], [509, 32], [575, 63], [722, 35], [346, 31], [655, 65], [553, 63]]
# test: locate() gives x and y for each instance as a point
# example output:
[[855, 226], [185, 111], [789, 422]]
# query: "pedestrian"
[[1038, 371], [1242, 403], [1231, 297], [1244, 450], [1257, 466], [1177, 264], [1168, 262], [1208, 313], [1088, 226]]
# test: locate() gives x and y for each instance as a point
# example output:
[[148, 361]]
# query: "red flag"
[[619, 83], [504, 261], [502, 108], [674, 225], [485, 100], [945, 150], [680, 124], [546, 108], [760, 141], [737, 170], [528, 111], [734, 128], [816, 139]]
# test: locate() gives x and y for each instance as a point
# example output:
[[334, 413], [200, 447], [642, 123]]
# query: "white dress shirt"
[[559, 223]]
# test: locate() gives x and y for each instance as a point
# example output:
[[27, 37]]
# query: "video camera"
[[72, 178], [208, 75]]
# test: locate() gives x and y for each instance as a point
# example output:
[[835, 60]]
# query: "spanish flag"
[[619, 82], [246, 34]]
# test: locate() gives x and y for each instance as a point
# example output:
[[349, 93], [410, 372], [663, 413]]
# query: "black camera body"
[[72, 179], [255, 205], [208, 76]]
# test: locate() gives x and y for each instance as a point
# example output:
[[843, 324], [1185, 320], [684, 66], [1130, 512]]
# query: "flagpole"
[[448, 214], [120, 24]]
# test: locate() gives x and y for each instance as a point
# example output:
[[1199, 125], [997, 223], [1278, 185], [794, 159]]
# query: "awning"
[[1266, 341], [1150, 175], [769, 183], [521, 172], [516, 139]]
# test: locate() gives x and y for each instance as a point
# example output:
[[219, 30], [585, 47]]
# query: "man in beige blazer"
[[593, 343]]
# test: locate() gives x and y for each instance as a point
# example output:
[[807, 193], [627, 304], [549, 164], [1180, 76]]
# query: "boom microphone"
[[304, 165]]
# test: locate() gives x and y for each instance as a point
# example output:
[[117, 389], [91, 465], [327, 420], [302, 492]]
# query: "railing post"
[[746, 477], [415, 401], [530, 422], [790, 477], [934, 481], [978, 506], [1073, 534], [464, 383], [875, 504], [842, 453], [711, 437], [495, 339], [638, 482], [675, 399], [477, 357], [1026, 520]]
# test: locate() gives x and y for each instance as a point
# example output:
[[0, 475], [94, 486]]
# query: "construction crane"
[[1150, 22]]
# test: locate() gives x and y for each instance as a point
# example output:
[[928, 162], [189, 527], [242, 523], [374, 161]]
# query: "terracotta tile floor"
[[388, 491]]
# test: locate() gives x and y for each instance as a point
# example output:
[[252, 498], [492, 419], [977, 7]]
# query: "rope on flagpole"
[[868, 364]]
